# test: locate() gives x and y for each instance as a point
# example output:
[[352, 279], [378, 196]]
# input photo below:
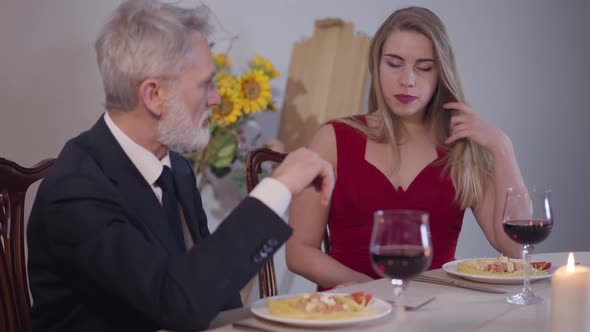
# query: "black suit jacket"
[[102, 257]]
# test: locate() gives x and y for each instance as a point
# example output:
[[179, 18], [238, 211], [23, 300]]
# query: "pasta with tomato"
[[321, 306]]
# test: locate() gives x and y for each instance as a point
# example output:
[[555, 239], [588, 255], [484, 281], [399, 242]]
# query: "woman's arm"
[[467, 124], [489, 213], [309, 219]]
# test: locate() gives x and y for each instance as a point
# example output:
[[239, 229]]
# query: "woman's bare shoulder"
[[324, 143]]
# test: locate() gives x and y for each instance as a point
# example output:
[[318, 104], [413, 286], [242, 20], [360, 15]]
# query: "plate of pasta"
[[501, 270], [321, 309]]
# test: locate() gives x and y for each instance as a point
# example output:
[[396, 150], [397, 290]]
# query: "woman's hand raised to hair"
[[465, 123]]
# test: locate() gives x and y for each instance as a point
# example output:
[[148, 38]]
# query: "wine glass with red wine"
[[528, 219], [400, 247]]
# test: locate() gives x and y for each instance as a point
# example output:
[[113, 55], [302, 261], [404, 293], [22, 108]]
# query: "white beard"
[[177, 130]]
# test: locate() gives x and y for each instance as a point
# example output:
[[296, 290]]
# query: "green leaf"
[[220, 171], [227, 150], [223, 162]]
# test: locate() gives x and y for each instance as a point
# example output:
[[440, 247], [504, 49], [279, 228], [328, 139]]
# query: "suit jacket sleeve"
[[91, 233]]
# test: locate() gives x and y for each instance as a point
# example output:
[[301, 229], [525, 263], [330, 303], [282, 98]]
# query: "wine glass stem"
[[526, 255], [398, 297]]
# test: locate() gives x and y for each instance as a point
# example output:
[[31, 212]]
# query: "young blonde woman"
[[420, 147]]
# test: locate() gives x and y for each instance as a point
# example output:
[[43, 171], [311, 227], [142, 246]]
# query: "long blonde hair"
[[469, 164]]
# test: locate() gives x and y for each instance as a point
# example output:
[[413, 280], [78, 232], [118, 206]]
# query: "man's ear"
[[152, 93]]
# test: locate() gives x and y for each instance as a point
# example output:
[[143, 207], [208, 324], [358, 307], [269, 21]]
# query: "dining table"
[[453, 309]]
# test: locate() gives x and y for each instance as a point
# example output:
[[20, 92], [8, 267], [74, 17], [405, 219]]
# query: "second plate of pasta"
[[291, 309], [467, 268]]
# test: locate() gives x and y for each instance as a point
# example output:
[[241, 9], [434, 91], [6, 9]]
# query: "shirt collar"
[[144, 160]]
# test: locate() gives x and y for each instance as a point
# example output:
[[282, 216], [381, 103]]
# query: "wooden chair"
[[15, 303], [253, 167]]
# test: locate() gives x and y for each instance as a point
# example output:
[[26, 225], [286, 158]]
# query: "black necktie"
[[170, 205]]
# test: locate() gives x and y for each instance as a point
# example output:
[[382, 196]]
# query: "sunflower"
[[229, 110], [272, 106], [260, 63], [221, 60], [254, 90], [226, 83]]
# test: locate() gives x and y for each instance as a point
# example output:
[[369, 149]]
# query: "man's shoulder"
[[73, 156], [75, 167]]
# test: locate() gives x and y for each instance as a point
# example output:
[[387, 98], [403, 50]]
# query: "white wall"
[[524, 65]]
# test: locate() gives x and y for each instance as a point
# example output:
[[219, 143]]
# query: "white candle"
[[570, 298]]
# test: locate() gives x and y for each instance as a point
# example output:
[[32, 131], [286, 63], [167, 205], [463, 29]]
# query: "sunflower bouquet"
[[242, 96]]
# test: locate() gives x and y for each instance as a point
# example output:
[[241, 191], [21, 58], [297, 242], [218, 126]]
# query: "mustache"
[[206, 115]]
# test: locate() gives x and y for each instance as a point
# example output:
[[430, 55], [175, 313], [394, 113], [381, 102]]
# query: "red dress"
[[361, 189]]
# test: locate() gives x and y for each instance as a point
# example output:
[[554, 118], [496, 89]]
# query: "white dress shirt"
[[269, 191]]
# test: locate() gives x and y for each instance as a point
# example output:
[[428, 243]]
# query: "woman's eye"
[[393, 65], [427, 69]]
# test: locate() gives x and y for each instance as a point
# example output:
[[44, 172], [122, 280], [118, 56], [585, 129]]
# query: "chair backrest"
[[253, 167], [14, 297]]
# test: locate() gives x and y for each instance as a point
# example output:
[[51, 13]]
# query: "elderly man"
[[117, 238]]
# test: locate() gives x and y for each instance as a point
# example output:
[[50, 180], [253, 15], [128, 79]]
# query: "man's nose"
[[214, 98]]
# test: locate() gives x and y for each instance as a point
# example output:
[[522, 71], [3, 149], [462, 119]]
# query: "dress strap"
[[350, 144]]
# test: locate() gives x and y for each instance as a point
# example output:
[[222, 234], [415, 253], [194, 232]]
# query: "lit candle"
[[570, 298]]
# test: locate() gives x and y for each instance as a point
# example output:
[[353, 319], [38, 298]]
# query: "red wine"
[[528, 231], [400, 262]]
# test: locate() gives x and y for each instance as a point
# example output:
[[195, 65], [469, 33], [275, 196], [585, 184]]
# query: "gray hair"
[[143, 39]]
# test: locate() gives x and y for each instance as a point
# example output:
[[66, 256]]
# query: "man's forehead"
[[200, 39], [202, 57]]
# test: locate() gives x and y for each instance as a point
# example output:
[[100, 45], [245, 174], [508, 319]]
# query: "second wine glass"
[[400, 247], [528, 220]]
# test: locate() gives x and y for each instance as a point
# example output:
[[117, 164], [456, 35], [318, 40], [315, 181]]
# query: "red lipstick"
[[405, 99]]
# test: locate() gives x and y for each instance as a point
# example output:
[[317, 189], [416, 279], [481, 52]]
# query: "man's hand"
[[300, 168]]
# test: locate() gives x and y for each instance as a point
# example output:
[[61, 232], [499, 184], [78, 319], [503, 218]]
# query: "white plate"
[[451, 268], [259, 309]]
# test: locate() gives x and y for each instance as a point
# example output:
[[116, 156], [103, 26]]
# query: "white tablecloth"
[[454, 309]]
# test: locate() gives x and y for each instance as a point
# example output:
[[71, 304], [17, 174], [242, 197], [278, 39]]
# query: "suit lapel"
[[134, 189]]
